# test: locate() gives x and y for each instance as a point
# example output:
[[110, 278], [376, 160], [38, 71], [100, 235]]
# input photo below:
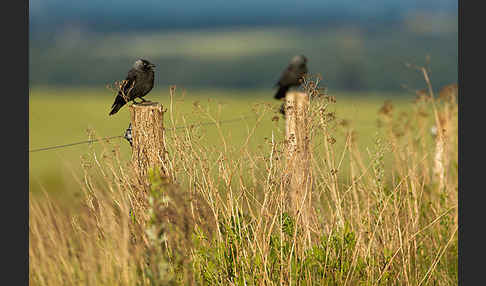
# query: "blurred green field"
[[60, 116]]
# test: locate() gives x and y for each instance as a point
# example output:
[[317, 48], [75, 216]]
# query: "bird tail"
[[119, 102], [281, 92]]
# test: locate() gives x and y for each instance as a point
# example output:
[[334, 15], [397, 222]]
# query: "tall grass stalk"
[[221, 216]]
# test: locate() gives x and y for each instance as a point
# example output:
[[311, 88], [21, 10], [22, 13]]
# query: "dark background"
[[354, 45]]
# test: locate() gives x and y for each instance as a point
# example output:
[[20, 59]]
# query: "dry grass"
[[221, 216]]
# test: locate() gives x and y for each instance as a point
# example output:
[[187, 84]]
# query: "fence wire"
[[121, 136]]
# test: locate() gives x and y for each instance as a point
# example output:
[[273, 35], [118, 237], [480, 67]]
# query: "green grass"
[[223, 213], [60, 116]]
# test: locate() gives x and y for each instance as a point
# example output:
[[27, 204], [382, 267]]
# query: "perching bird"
[[128, 134], [139, 82], [291, 76]]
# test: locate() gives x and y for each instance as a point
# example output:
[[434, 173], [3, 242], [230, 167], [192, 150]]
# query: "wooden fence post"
[[298, 155], [148, 149]]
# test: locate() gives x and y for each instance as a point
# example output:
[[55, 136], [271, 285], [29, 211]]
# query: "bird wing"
[[288, 77], [292, 75], [129, 83]]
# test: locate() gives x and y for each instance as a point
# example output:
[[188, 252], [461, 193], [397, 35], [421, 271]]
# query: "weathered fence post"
[[298, 155], [439, 168], [148, 149], [444, 127]]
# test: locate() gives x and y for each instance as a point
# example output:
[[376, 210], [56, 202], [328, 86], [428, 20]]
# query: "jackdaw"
[[139, 82], [291, 76]]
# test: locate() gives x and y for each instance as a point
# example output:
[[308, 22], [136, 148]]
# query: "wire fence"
[[72, 144], [122, 136]]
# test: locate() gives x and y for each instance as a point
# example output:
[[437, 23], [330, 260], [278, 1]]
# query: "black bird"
[[139, 82], [291, 76]]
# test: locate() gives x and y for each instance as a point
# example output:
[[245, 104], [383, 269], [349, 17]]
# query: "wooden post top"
[[295, 93], [297, 96], [146, 104]]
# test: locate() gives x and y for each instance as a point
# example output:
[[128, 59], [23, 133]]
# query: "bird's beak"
[[152, 66]]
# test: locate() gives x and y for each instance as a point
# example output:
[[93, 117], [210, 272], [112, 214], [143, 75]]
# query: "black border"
[[15, 128], [471, 176]]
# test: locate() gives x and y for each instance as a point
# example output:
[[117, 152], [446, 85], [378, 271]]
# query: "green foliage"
[[326, 263]]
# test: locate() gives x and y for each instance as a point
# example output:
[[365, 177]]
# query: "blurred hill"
[[121, 15], [355, 45]]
